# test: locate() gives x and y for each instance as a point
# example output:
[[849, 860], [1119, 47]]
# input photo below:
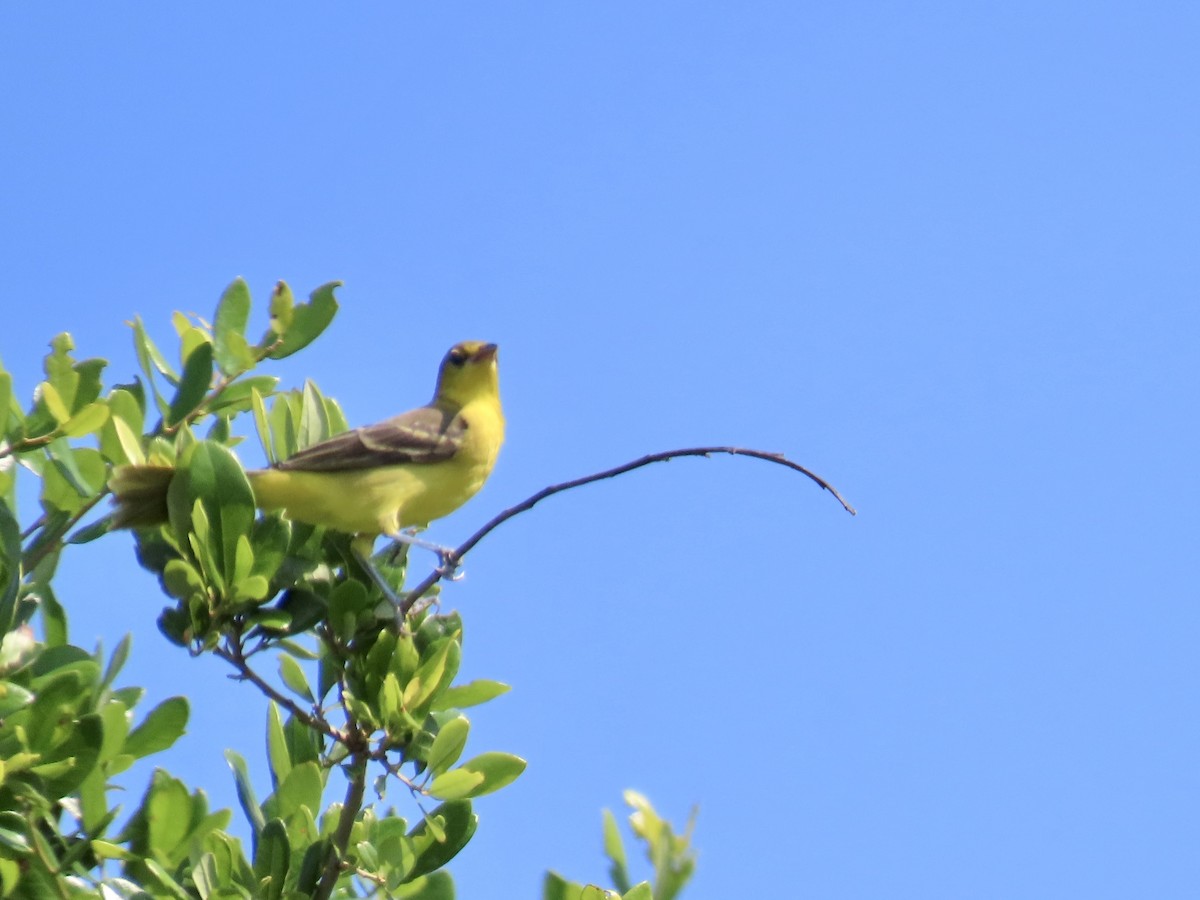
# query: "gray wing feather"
[[424, 435]]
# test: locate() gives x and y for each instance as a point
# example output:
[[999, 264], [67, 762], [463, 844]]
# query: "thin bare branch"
[[356, 787], [235, 656], [528, 503]]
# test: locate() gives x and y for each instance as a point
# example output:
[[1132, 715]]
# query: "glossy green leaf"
[[82, 468], [308, 320], [162, 882], [117, 661], [282, 308], [449, 744], [555, 887], [480, 775], [301, 789], [90, 532], [54, 617], [212, 475], [293, 676], [12, 698], [47, 394], [272, 857], [6, 402], [81, 750], [641, 891], [473, 693], [458, 824], [150, 359], [232, 352], [311, 867], [181, 580], [10, 568], [194, 385], [614, 849], [88, 384], [245, 791], [434, 674], [277, 750], [161, 728], [237, 396], [347, 603], [88, 420], [262, 426]]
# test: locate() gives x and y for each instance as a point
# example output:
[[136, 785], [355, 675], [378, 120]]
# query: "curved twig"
[[528, 503]]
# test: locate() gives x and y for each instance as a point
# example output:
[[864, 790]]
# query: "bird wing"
[[426, 435]]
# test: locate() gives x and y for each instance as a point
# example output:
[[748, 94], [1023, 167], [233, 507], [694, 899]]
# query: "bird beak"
[[486, 353]]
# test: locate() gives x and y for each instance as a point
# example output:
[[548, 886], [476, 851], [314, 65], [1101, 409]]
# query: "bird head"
[[468, 373]]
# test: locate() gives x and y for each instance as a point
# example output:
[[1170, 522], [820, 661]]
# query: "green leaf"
[[6, 401], [641, 891], [90, 532], [311, 866], [282, 308], [194, 385], [151, 360], [433, 675], [435, 886], [10, 568], [54, 617], [89, 419], [212, 475], [304, 744], [308, 320], [272, 857], [237, 396], [293, 677], [301, 789], [449, 744], [480, 775], [70, 462], [232, 352], [117, 661], [13, 697], [80, 752], [245, 791], [163, 882], [314, 421], [161, 728], [473, 693], [49, 397], [555, 887], [347, 603], [457, 826], [127, 441], [262, 426], [277, 749], [120, 438], [614, 849]]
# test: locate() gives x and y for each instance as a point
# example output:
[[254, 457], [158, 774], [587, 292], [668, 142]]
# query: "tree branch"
[[528, 503], [356, 777], [234, 655]]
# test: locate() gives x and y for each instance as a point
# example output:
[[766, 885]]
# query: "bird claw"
[[450, 567]]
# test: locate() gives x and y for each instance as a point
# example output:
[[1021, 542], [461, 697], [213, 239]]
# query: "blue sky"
[[943, 254]]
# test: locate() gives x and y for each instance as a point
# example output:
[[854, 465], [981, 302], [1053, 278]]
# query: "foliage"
[[383, 708], [670, 855]]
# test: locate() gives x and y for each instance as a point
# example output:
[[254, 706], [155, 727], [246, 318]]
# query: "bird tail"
[[140, 494]]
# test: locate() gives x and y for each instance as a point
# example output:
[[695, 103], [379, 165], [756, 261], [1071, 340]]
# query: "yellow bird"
[[379, 479]]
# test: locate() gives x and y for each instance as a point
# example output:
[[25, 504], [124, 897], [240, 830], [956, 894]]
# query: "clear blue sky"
[[945, 254]]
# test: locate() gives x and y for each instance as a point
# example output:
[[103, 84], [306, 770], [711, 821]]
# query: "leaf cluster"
[[359, 693]]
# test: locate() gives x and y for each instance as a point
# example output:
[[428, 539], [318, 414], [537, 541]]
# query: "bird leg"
[[448, 562], [364, 560]]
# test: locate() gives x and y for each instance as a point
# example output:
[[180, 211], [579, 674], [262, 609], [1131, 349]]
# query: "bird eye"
[[458, 356]]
